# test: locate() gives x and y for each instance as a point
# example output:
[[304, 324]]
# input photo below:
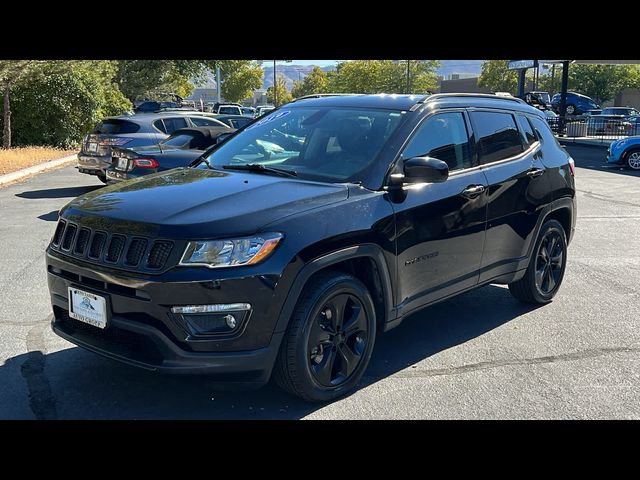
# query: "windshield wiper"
[[260, 168]]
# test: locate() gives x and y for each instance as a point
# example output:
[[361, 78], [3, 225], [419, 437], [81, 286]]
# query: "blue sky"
[[320, 63]]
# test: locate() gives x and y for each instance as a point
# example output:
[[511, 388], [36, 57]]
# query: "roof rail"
[[320, 95], [436, 96]]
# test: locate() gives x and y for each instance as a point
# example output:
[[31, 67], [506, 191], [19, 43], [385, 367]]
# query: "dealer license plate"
[[87, 307]]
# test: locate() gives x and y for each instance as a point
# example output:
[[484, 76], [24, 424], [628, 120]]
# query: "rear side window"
[[114, 127], [204, 122], [543, 130], [160, 126], [526, 131], [443, 136], [240, 122], [173, 124], [498, 136]]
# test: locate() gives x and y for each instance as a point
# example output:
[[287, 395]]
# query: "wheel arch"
[[365, 262]]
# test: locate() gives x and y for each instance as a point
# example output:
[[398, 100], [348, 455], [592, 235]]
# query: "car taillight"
[[145, 163], [572, 166], [115, 141]]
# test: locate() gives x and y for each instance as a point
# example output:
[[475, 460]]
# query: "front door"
[[440, 227]]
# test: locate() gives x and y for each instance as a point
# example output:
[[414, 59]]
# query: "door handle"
[[472, 191], [535, 172]]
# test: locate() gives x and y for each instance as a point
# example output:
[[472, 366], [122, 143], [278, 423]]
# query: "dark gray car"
[[133, 131]]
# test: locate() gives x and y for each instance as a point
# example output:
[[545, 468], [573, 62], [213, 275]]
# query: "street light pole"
[[275, 89]]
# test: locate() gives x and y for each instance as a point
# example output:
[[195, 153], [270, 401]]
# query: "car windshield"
[[325, 144], [181, 140]]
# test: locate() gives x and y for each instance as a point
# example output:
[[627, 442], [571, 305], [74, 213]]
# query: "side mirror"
[[425, 169], [222, 137]]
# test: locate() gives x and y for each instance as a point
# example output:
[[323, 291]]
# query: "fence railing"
[[602, 127]]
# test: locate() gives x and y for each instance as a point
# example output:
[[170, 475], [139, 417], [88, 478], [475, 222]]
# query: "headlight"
[[230, 252]]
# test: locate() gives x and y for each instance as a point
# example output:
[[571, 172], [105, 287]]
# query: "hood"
[[202, 203]]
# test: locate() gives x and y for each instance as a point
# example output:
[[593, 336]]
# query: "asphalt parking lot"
[[482, 355]]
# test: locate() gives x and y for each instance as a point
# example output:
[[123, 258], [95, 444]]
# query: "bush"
[[60, 104]]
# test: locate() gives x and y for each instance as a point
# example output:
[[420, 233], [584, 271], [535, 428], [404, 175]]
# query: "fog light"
[[231, 321], [205, 320]]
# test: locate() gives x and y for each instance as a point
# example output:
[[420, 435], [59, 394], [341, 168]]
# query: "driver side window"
[[443, 136]]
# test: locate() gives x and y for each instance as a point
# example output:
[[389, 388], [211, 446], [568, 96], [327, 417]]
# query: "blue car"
[[625, 152], [577, 104]]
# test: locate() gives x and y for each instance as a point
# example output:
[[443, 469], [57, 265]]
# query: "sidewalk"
[[42, 167], [598, 142]]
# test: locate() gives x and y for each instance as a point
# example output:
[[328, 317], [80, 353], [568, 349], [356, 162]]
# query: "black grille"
[[69, 233], [97, 245], [116, 245], [82, 241], [115, 249], [136, 250], [59, 230], [159, 254]]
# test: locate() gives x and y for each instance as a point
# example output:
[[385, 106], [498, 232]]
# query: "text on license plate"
[[87, 307], [122, 163]]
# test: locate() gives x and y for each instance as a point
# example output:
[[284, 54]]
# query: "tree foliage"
[[603, 82], [59, 102], [240, 78], [384, 76], [315, 82], [497, 77], [283, 95]]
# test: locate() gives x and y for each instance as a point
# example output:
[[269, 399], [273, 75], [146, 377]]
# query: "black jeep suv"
[[288, 247]]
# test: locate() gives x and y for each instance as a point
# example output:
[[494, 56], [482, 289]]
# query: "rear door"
[[518, 189], [440, 227]]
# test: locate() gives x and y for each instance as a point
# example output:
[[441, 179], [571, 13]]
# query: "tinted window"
[[230, 110], [117, 126], [240, 122], [173, 124], [543, 130], [181, 140], [498, 136], [526, 130], [160, 126], [445, 137], [205, 122]]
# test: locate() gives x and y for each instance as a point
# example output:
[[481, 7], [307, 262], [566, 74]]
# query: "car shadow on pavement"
[[594, 158], [52, 216], [76, 384], [64, 192]]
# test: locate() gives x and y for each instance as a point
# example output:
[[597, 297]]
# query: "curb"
[[30, 171]]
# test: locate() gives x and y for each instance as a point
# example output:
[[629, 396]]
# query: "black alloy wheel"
[[329, 340], [337, 339], [549, 262], [543, 277]]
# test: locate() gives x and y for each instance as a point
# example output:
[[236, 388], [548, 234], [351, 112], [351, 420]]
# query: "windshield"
[[326, 144], [181, 140]]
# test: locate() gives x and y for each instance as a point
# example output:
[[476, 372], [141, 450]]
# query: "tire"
[[527, 289], [304, 366], [570, 109], [102, 177], [632, 159]]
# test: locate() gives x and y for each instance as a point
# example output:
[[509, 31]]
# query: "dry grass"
[[23, 157]]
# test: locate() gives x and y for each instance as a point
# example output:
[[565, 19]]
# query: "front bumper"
[[142, 331]]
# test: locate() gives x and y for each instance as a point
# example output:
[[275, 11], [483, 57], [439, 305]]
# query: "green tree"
[[59, 101], [240, 78], [497, 77], [283, 95], [383, 76], [315, 82], [603, 82]]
